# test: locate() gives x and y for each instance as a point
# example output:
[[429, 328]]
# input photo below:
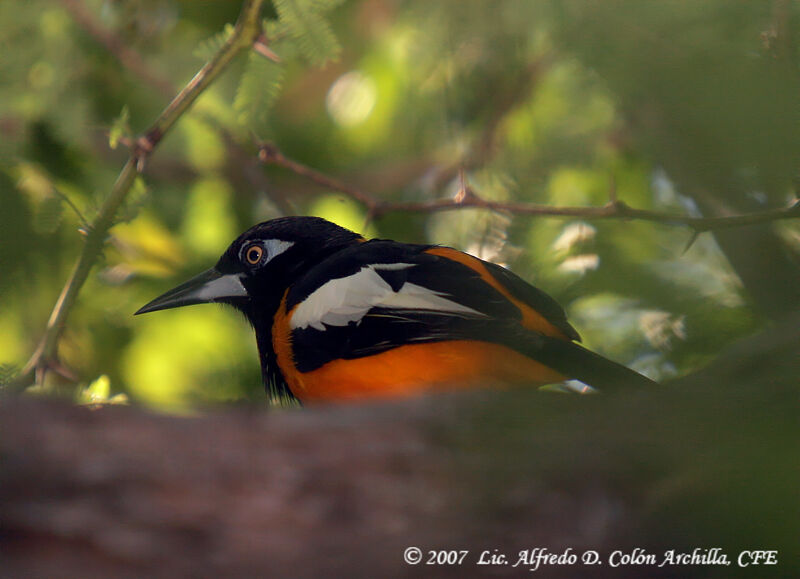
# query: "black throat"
[[274, 382], [266, 295]]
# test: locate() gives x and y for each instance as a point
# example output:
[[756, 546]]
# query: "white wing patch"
[[348, 299]]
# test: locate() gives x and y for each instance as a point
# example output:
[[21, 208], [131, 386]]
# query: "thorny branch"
[[247, 30], [131, 60], [270, 154]]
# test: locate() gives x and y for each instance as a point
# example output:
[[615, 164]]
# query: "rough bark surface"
[[342, 491]]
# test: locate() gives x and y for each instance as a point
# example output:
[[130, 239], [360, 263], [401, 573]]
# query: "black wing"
[[381, 294]]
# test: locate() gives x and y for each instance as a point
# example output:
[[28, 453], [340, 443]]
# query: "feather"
[[341, 301]]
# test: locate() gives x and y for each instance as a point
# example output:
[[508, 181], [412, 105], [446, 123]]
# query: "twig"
[[271, 155], [248, 28], [65, 198], [133, 62], [614, 209]]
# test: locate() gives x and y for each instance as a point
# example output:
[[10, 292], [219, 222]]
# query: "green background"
[[681, 107]]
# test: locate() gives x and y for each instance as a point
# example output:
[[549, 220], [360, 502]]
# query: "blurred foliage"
[[556, 102]]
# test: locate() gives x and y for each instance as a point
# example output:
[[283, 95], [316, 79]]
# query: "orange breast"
[[415, 368]]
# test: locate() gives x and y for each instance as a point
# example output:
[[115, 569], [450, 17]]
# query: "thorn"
[[618, 208], [144, 146], [462, 193], [268, 153], [262, 48], [695, 235], [61, 370], [147, 143]]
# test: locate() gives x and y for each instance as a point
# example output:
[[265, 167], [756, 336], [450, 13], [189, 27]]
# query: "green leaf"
[[304, 22], [120, 128], [209, 47], [7, 374], [280, 40], [98, 392], [259, 86]]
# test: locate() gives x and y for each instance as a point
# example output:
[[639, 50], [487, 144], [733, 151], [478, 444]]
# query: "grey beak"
[[209, 286]]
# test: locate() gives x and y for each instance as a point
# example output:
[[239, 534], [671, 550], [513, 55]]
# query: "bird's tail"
[[576, 362]]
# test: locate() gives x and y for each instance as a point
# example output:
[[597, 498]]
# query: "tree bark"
[[343, 490]]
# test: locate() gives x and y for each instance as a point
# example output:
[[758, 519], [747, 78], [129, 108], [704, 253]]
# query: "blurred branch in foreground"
[[269, 154], [341, 491]]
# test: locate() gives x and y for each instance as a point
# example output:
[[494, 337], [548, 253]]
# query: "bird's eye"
[[253, 254]]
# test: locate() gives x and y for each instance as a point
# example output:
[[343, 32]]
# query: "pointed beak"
[[209, 286]]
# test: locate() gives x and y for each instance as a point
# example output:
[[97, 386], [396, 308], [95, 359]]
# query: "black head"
[[259, 265], [254, 273]]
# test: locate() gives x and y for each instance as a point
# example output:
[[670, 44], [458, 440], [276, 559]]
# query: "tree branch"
[[247, 30], [342, 491], [270, 154], [133, 62]]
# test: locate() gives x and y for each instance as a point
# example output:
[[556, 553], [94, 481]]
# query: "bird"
[[341, 318]]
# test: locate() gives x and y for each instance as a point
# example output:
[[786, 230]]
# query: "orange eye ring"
[[253, 254]]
